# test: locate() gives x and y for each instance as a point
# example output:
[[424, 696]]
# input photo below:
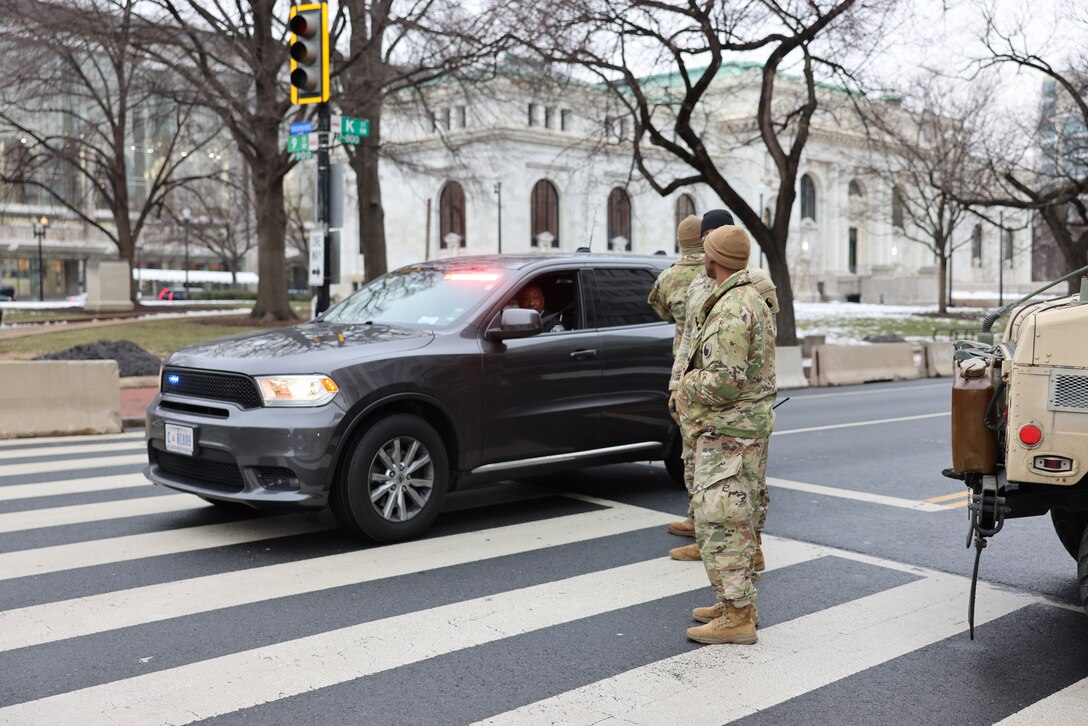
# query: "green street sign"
[[298, 143], [353, 129], [302, 155]]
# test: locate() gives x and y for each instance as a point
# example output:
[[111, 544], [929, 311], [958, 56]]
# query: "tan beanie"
[[728, 246], [688, 235]]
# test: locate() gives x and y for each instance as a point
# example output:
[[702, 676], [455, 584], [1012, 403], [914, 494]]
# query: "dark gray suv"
[[425, 379]]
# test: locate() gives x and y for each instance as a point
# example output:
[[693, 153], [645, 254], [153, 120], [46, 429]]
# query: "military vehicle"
[[1020, 423]]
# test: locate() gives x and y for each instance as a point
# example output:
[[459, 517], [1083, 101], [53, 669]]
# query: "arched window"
[[544, 203], [619, 220], [685, 207], [897, 208], [808, 198], [854, 190], [976, 246], [451, 216]]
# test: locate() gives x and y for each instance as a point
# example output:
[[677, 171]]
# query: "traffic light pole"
[[323, 194]]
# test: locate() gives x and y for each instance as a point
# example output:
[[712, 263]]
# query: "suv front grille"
[[215, 386], [1068, 392], [217, 474]]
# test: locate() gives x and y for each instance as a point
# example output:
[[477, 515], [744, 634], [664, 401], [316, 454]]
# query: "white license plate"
[[179, 439]]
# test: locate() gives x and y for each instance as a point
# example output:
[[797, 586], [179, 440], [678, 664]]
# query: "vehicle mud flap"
[[987, 511]]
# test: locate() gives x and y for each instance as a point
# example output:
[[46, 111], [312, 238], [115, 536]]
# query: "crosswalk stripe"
[[43, 467], [72, 486], [74, 440], [152, 544], [39, 624], [813, 650], [52, 451], [249, 678], [1064, 707], [98, 512]]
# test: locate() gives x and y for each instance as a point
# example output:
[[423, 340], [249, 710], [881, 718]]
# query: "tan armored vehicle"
[[1020, 423]]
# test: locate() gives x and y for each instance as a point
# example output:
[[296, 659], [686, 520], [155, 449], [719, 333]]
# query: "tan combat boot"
[[734, 625], [705, 615], [687, 553], [684, 528]]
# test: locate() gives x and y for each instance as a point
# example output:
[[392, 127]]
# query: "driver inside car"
[[532, 297]]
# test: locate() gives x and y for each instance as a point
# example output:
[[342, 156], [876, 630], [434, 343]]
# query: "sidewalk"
[[136, 395]]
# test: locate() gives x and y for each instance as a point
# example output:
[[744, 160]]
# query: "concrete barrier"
[[46, 398], [840, 365], [937, 359], [788, 370]]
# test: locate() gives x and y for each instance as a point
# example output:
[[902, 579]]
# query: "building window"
[[852, 252], [854, 190], [897, 208], [544, 209], [976, 246], [1006, 246], [685, 207], [532, 114], [808, 198], [462, 117], [451, 215], [548, 113], [564, 120], [619, 220]]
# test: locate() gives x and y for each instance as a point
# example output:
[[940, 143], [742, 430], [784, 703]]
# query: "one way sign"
[[353, 129]]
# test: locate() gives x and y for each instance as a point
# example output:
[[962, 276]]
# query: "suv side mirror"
[[516, 323]]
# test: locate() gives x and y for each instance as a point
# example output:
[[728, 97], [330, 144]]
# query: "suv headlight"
[[308, 390]]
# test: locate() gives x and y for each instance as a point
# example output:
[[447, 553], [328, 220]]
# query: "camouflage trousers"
[[727, 504], [687, 455]]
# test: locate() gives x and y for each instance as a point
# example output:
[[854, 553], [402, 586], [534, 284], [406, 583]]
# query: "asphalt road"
[[542, 601]]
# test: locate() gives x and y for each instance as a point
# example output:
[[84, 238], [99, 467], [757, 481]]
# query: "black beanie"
[[715, 218]]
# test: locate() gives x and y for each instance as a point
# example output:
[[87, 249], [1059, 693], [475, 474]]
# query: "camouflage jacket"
[[669, 295], [728, 385]]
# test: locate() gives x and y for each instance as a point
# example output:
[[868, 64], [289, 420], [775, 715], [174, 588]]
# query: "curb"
[[133, 422]]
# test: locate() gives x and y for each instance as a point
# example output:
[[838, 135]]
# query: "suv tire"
[[1082, 571], [1070, 527], [674, 464], [393, 484]]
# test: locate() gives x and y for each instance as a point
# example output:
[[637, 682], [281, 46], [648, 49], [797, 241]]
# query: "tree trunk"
[[272, 301], [364, 162], [1075, 252], [942, 282], [780, 275]]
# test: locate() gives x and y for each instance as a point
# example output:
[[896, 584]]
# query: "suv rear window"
[[418, 297], [621, 297]]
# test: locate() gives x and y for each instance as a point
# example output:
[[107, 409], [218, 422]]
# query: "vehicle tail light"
[[1053, 463], [1030, 435]]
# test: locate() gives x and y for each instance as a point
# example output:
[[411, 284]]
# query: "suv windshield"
[[424, 297]]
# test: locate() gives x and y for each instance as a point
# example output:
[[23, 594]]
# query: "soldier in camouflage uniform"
[[724, 401], [668, 298], [671, 301]]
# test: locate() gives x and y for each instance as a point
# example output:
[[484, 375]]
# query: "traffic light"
[[309, 28]]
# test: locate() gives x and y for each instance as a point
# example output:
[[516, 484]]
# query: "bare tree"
[[397, 47], [615, 39], [93, 119], [234, 59], [1043, 166], [926, 152], [221, 218]]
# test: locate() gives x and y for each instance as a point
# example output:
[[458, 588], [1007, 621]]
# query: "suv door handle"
[[584, 354]]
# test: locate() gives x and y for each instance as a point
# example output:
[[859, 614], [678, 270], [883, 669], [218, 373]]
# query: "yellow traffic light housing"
[[309, 26]]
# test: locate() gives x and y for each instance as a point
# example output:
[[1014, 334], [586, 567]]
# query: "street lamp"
[[39, 232], [498, 192], [185, 215]]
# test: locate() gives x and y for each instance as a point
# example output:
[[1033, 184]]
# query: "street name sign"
[[302, 127]]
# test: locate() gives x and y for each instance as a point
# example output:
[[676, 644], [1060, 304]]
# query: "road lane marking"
[[49, 622], [946, 497], [48, 467], [856, 495], [48, 452], [814, 650], [855, 424], [1064, 707], [59, 558], [72, 486], [260, 675], [99, 512]]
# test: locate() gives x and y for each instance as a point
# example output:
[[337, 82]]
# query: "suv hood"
[[305, 348]]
